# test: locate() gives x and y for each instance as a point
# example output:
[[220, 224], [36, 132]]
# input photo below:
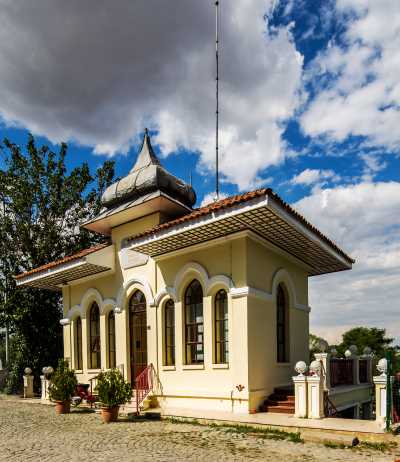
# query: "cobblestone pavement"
[[33, 432]]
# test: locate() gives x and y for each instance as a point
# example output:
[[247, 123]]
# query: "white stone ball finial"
[[27, 371], [367, 351], [323, 345], [300, 368], [353, 349], [348, 354], [315, 367], [382, 366]]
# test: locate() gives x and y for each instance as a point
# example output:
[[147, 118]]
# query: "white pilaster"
[[45, 389], [380, 399], [315, 391], [300, 392]]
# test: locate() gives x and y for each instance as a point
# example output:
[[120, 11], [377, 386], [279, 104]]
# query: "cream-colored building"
[[216, 298]]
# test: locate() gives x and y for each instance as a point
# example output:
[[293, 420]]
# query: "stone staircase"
[[130, 407], [281, 401]]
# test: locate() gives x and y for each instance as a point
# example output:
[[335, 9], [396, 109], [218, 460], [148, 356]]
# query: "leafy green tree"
[[362, 337], [314, 345], [41, 206]]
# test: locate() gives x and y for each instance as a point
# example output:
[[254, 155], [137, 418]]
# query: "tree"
[[41, 206], [362, 337], [314, 343]]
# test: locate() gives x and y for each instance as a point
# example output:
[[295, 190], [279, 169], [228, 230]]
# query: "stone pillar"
[[380, 399], [315, 392], [28, 386], [45, 389], [300, 393], [324, 359]]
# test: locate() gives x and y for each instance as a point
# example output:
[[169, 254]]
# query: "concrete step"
[[271, 402], [278, 409], [288, 398]]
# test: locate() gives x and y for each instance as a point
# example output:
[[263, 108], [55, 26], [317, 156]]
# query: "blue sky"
[[310, 106]]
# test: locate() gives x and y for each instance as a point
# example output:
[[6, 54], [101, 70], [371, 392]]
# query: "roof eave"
[[55, 277], [265, 201]]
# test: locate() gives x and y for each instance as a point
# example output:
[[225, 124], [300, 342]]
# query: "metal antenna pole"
[[217, 102]]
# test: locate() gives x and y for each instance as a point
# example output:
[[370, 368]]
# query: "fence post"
[[45, 389], [367, 355], [300, 390], [381, 397], [389, 395], [315, 391], [28, 383], [325, 359]]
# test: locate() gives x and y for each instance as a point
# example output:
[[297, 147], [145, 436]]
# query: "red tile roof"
[[235, 200], [67, 259]]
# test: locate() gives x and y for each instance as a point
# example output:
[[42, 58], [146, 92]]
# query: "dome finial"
[[146, 132]]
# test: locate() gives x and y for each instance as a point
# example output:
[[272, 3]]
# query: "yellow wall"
[[252, 371]]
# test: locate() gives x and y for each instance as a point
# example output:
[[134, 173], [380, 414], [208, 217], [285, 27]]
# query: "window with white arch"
[[111, 340], [78, 344], [282, 325], [194, 324], [221, 344], [169, 333], [94, 343]]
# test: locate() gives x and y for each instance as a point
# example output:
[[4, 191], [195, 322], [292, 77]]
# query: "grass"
[[276, 434], [379, 446], [270, 433]]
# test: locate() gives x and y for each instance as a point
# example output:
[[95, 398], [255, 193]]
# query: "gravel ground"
[[34, 432]]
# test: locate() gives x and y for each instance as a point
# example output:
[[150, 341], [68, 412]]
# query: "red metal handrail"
[[143, 385]]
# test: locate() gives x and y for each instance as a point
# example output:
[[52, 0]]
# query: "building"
[[215, 298]]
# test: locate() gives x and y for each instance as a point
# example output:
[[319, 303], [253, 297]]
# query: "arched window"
[[111, 340], [169, 333], [221, 328], [78, 344], [282, 326], [95, 351], [194, 324]]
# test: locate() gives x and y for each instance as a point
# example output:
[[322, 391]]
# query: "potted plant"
[[62, 387], [113, 392]]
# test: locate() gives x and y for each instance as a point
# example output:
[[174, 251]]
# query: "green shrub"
[[63, 383], [112, 388]]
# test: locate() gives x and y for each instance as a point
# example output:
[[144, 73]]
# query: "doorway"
[[137, 334]]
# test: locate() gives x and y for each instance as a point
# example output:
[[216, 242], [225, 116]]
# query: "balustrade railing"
[[341, 372]]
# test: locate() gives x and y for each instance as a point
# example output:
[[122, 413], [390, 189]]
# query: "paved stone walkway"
[[32, 432]]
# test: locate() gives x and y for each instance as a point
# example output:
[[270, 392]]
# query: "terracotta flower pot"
[[109, 414], [63, 407]]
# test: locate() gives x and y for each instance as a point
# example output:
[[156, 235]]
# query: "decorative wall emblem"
[[131, 259]]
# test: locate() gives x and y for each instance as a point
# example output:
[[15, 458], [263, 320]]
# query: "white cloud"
[[364, 219], [363, 99], [210, 198], [310, 177], [97, 72]]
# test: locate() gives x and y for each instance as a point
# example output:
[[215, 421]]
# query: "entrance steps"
[[130, 407], [281, 401]]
